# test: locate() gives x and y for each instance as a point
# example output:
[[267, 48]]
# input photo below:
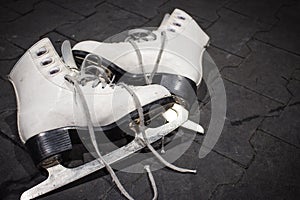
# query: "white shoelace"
[[92, 71], [142, 128], [148, 77], [81, 79]]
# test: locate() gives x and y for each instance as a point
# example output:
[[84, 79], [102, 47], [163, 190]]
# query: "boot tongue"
[[164, 22], [67, 55]]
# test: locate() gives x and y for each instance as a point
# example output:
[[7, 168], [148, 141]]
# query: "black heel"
[[181, 87], [46, 148]]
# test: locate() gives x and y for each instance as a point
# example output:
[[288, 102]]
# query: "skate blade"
[[170, 115], [190, 125], [60, 175]]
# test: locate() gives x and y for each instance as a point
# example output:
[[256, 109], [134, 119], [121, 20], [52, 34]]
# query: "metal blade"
[[190, 125], [170, 115], [60, 175]]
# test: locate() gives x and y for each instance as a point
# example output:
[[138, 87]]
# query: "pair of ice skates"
[[120, 84]]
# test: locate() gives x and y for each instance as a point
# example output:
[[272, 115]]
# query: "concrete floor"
[[256, 46]]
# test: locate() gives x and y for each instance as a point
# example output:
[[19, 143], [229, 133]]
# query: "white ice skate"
[[48, 92], [170, 56]]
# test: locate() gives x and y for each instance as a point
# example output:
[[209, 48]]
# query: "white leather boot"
[[48, 92], [170, 56], [46, 99]]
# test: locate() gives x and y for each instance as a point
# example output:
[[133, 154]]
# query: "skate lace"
[[148, 79], [142, 128], [133, 37], [140, 35], [82, 78], [85, 75], [91, 70]]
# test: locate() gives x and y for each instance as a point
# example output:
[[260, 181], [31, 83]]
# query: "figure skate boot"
[[47, 89], [170, 56]]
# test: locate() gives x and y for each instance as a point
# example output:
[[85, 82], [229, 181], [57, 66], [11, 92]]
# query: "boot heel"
[[45, 148], [182, 87]]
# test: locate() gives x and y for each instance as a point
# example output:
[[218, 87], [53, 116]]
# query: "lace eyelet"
[[177, 24], [171, 29], [54, 70], [41, 51], [69, 79], [47, 61], [181, 17]]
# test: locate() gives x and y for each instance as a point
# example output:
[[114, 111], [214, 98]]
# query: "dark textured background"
[[256, 46]]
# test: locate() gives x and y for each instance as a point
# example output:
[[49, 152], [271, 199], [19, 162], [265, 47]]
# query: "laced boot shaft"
[[171, 55], [46, 99]]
